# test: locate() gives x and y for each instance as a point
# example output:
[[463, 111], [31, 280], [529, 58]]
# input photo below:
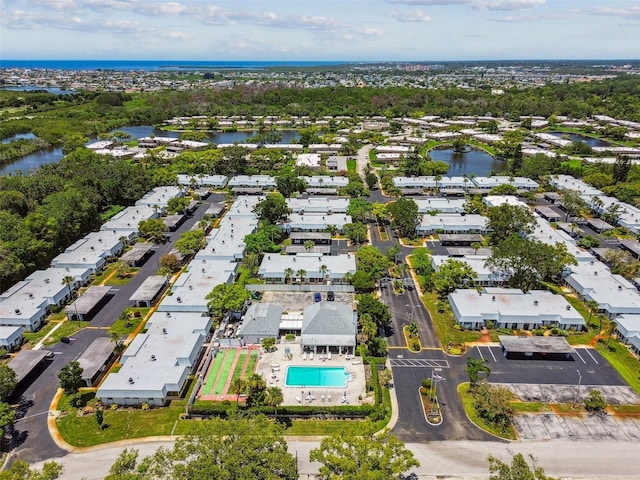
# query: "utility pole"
[[575, 400]]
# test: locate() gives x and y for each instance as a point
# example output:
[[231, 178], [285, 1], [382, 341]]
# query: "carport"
[[88, 304], [547, 348]]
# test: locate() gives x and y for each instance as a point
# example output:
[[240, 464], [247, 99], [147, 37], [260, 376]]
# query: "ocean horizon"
[[158, 65]]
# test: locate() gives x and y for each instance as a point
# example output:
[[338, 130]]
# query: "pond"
[[52, 155], [576, 137], [18, 136], [473, 161]]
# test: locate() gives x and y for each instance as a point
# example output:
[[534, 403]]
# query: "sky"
[[319, 30]]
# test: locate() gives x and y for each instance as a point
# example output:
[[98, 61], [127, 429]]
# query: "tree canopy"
[[351, 457], [505, 220], [272, 209], [227, 297], [405, 216], [518, 469], [8, 382], [370, 260]]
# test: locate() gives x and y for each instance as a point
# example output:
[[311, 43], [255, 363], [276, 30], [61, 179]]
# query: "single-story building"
[[261, 320], [547, 348], [511, 308], [10, 338], [138, 254], [329, 326]]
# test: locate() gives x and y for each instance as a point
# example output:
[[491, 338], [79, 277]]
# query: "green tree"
[[190, 242], [370, 260], [450, 275], [506, 220], [519, 469], [70, 377], [377, 311], [227, 297], [238, 387], [595, 402], [371, 180], [73, 141], [20, 470], [8, 382], [99, 418], [268, 343], [356, 232], [405, 216], [7, 419], [362, 282], [359, 209], [421, 261], [476, 366], [272, 209], [573, 205], [127, 467], [289, 183], [170, 262], [526, 262], [371, 457], [153, 229], [309, 245], [273, 398], [493, 404], [223, 449], [380, 211]]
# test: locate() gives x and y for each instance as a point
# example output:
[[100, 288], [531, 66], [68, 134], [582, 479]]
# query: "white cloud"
[[624, 12], [410, 15], [477, 4]]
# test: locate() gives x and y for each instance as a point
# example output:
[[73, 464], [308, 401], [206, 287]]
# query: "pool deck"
[[319, 395]]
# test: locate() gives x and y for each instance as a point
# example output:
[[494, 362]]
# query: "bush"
[[426, 383], [290, 337], [595, 402]]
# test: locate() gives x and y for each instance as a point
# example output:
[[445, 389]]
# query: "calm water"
[[155, 65], [54, 90], [18, 136], [473, 161], [35, 160], [576, 137], [317, 377]]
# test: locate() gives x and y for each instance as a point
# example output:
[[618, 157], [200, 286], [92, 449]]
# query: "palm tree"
[[610, 329], [347, 278], [308, 245], [288, 273], [273, 397], [437, 179], [593, 306], [68, 280], [476, 246], [238, 386], [116, 338], [301, 273], [475, 366], [323, 270], [368, 327]]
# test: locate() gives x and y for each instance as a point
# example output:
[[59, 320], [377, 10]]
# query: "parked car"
[[65, 339], [331, 296], [317, 297]]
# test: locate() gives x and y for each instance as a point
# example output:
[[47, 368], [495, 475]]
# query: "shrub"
[[426, 383], [595, 402]]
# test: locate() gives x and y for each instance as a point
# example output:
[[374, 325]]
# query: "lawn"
[[121, 424], [467, 403], [445, 322], [530, 407], [67, 329], [351, 165], [623, 361], [211, 375], [125, 327], [116, 280]]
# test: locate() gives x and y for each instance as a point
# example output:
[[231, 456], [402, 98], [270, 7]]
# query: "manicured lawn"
[[67, 329], [625, 364], [121, 424], [116, 280], [251, 366], [224, 373], [351, 165], [213, 369], [467, 403], [329, 427], [237, 371], [125, 327], [444, 322]]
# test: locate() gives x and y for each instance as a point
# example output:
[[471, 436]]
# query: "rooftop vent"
[[100, 240], [18, 312], [568, 307], [168, 315], [493, 297], [46, 280], [595, 274], [153, 358], [131, 380], [535, 302], [179, 299], [164, 331], [619, 287]]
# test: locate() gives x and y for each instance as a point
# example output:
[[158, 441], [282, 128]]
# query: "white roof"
[[497, 200], [129, 218], [570, 183], [274, 265], [317, 204], [439, 204], [308, 160], [316, 221], [326, 181], [160, 196], [453, 222]]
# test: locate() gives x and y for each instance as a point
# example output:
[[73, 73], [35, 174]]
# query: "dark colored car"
[[65, 340], [317, 297], [331, 296]]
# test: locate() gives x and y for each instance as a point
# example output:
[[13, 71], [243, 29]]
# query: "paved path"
[[442, 460]]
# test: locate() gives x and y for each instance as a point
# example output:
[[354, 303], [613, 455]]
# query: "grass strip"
[[224, 372], [237, 371], [211, 376], [251, 366], [625, 364]]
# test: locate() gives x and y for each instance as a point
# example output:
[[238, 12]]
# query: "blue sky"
[[365, 30]]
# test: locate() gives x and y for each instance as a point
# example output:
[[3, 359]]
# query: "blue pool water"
[[317, 377]]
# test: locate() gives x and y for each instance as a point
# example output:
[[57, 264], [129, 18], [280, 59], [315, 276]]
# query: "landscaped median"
[[500, 427]]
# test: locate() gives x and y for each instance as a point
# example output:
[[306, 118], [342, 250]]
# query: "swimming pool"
[[316, 377]]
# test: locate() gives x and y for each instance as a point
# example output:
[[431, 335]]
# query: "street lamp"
[[411, 311], [575, 400], [435, 378]]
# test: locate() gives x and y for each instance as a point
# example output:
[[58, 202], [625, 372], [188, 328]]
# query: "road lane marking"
[[577, 353], [592, 357]]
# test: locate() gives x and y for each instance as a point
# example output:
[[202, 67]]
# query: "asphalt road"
[[32, 440]]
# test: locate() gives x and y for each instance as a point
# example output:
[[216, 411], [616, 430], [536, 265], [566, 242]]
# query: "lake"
[[474, 161], [576, 137], [52, 155]]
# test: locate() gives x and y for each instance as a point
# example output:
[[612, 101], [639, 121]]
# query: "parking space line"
[[480, 352], [577, 353], [592, 357], [491, 352]]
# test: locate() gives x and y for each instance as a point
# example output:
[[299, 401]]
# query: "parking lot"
[[586, 363], [595, 428], [295, 302]]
